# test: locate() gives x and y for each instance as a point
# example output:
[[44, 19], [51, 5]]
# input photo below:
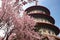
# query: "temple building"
[[44, 22]]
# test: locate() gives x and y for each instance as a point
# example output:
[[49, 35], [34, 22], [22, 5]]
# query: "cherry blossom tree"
[[18, 28], [24, 25]]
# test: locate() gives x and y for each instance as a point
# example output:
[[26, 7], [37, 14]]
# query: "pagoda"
[[45, 23]]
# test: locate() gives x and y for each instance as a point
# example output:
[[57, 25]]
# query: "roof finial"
[[36, 2]]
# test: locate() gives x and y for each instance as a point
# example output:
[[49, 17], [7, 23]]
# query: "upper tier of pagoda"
[[38, 9]]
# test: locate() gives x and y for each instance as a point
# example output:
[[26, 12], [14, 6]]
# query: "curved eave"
[[38, 8], [51, 19], [53, 27]]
